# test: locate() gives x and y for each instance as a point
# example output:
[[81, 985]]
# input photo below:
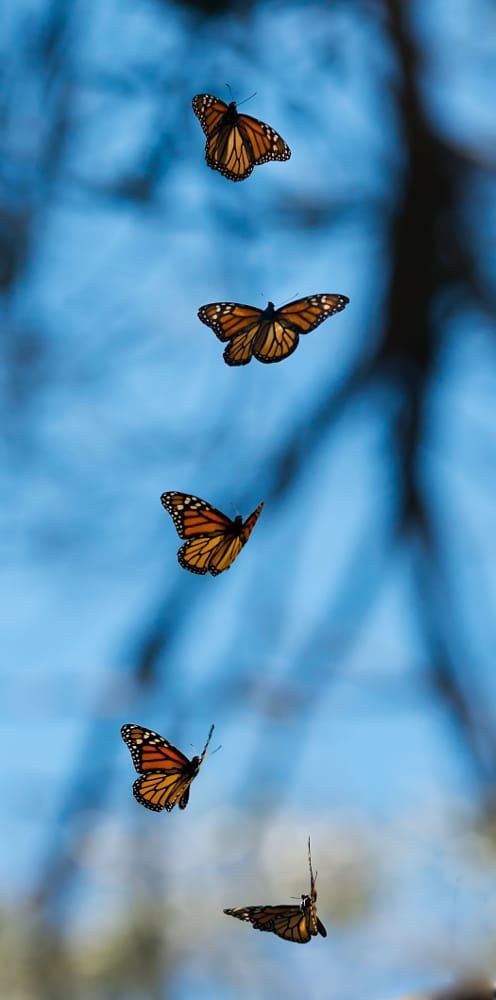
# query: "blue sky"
[[323, 721]]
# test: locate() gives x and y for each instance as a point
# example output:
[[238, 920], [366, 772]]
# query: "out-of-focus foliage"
[[347, 657]]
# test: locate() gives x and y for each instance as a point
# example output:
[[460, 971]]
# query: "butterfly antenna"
[[215, 751], [212, 727], [247, 99], [229, 88], [312, 876]]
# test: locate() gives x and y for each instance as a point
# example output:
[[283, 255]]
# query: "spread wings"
[[166, 774], [213, 541], [269, 337], [236, 143]]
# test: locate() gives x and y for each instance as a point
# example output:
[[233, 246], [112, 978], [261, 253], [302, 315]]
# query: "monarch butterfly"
[[267, 334], [236, 143], [213, 541], [296, 922], [166, 774]]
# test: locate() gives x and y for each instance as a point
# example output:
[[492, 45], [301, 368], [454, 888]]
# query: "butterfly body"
[[231, 116], [212, 540], [268, 334], [292, 922], [236, 143], [165, 772]]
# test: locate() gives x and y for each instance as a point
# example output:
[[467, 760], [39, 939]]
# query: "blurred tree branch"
[[474, 990]]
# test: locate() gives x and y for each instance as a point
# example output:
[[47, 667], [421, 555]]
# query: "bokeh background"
[[348, 657]]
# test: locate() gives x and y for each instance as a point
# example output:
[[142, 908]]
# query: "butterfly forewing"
[[193, 516], [265, 142], [209, 110], [305, 314], [227, 319], [250, 522], [149, 750]]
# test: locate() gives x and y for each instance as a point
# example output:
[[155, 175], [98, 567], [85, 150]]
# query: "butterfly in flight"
[[267, 334], [166, 774], [236, 143], [296, 922], [213, 541]]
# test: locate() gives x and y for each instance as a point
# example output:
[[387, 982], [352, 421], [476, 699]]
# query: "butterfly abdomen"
[[195, 766]]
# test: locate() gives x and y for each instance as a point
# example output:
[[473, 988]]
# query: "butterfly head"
[[305, 901], [238, 524], [269, 310], [231, 114]]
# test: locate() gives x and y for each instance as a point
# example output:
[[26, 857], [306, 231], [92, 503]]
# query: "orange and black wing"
[[266, 144], [166, 773], [278, 338], [236, 323], [306, 313], [193, 517], [162, 791], [212, 540], [288, 922], [210, 111], [223, 557], [228, 152]]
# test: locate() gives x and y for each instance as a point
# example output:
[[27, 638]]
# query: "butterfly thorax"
[[269, 311], [237, 525], [195, 765], [230, 116]]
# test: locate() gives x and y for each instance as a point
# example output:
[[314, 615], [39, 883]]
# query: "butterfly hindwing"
[[275, 341], [288, 922], [229, 153], [159, 791], [198, 554], [212, 540]]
